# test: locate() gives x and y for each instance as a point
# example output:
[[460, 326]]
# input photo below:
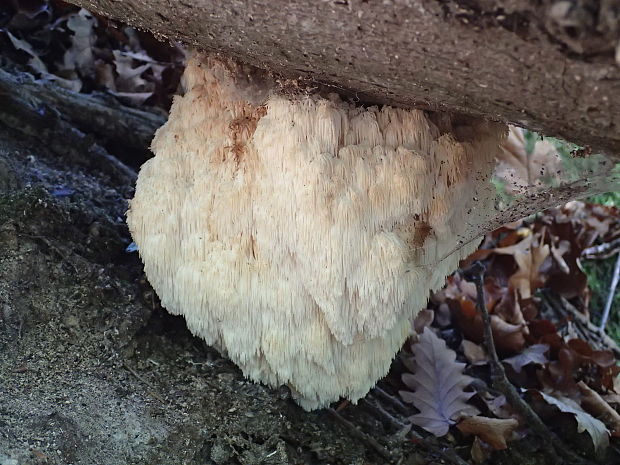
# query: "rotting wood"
[[115, 126], [529, 63]]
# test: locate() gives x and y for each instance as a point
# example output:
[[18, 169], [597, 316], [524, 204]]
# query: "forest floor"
[[94, 371]]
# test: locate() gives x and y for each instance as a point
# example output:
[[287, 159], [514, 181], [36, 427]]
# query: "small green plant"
[[599, 275], [611, 199], [599, 272]]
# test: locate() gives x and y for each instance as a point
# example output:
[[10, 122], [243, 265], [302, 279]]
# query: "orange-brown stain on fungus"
[[241, 129]]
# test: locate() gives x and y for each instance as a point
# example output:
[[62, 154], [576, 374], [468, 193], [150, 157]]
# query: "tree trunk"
[[546, 65]]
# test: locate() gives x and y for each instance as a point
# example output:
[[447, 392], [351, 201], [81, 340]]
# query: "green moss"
[[611, 199]]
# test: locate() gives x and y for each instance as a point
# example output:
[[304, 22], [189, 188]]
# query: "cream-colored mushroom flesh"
[[298, 234]]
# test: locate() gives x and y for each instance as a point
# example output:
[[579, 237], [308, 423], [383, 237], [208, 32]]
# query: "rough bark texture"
[[542, 64]]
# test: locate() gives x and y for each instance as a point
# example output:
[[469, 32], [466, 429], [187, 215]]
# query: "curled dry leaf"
[[594, 404], [80, 54], [529, 258], [498, 405], [509, 308], [30, 15], [585, 422], [474, 353], [521, 171], [532, 354], [558, 255], [423, 319], [35, 62], [507, 336], [494, 431], [38, 66], [442, 315], [438, 385], [529, 254], [480, 452]]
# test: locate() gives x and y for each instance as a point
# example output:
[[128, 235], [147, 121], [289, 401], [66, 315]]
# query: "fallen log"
[[549, 66]]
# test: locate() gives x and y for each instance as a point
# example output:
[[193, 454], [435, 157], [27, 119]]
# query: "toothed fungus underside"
[[300, 234]]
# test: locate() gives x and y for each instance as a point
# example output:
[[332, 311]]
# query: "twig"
[[446, 453], [500, 381], [113, 123], [610, 296], [602, 251], [363, 436], [145, 381], [565, 310], [392, 400], [378, 411], [36, 116]]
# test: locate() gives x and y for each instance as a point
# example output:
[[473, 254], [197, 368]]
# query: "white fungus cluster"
[[299, 235]]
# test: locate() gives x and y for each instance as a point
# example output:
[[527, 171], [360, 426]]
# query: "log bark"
[[546, 65], [125, 131]]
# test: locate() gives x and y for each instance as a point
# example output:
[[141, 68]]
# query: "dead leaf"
[[612, 398], [508, 337], [594, 404], [558, 253], [498, 405], [30, 15], [494, 431], [423, 319], [532, 354], [521, 171], [442, 315], [438, 385], [529, 260], [35, 62], [130, 75], [474, 353], [479, 452], [585, 422], [80, 55], [509, 308]]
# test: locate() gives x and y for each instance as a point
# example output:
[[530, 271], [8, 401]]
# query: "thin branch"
[[145, 381], [564, 310], [500, 380], [382, 451], [448, 454], [394, 401], [602, 251], [610, 296]]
